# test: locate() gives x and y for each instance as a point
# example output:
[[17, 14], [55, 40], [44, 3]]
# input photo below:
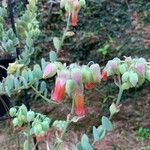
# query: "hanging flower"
[[59, 90], [104, 75], [95, 69], [89, 86], [45, 137], [76, 75], [79, 104], [75, 10], [140, 67], [49, 71], [74, 20]]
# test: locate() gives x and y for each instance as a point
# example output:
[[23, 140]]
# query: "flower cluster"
[[72, 7], [133, 71], [72, 80], [39, 123]]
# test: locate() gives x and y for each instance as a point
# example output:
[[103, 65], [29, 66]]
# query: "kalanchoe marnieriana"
[[72, 7], [22, 117], [133, 71], [71, 80]]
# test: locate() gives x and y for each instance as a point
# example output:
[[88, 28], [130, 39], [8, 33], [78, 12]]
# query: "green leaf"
[[101, 132], [79, 146], [9, 82], [45, 92], [37, 72], [16, 83], [42, 86], [7, 91], [25, 74], [85, 143], [30, 76], [57, 43], [25, 84], [95, 134], [43, 63], [52, 56], [106, 124]]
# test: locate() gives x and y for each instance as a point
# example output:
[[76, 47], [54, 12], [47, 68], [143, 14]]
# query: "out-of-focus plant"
[[104, 50], [34, 124], [8, 40], [27, 27], [143, 133]]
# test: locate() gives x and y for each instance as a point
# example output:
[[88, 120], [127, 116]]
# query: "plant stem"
[[28, 138], [119, 95], [73, 103], [3, 67], [45, 98], [57, 144], [67, 27], [120, 90]]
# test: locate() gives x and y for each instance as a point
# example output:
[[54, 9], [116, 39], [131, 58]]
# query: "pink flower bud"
[[49, 71], [64, 74], [95, 69], [140, 67], [112, 64], [76, 75]]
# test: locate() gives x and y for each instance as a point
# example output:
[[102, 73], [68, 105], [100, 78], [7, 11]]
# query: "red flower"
[[74, 20], [89, 86], [59, 90], [39, 139], [104, 75], [74, 17], [79, 104], [43, 138]]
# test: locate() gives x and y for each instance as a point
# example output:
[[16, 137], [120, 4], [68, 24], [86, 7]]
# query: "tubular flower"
[[45, 137], [79, 104], [89, 86], [74, 20], [49, 71], [95, 69], [76, 75], [59, 90], [104, 75], [140, 67], [74, 17]]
